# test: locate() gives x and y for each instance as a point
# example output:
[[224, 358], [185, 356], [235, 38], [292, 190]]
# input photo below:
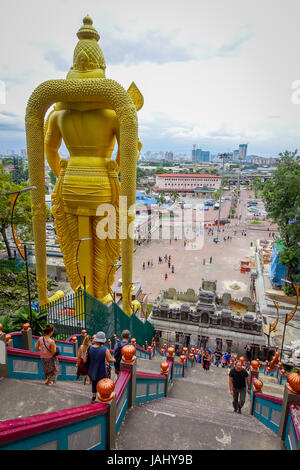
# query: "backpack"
[[118, 355]]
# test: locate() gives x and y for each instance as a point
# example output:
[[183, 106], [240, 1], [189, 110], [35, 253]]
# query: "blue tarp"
[[277, 271]]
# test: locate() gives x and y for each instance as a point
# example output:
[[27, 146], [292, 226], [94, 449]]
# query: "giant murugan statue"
[[90, 113]]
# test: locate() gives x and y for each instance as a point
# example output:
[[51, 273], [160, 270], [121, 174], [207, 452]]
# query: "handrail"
[[270, 398], [19, 333], [294, 411], [148, 375], [23, 427], [121, 382], [36, 355]]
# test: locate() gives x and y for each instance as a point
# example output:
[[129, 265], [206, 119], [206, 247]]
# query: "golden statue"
[[90, 114]]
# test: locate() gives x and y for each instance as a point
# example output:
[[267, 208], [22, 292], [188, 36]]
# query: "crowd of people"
[[161, 260], [93, 361]]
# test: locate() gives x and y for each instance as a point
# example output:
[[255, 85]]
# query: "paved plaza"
[[189, 263]]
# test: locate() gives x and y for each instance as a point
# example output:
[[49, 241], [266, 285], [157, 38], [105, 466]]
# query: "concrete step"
[[177, 424], [147, 365], [20, 398]]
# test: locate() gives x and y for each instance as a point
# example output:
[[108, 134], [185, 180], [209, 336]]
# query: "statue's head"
[[88, 60]]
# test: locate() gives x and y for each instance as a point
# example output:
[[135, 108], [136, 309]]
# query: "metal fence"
[[16, 264], [83, 311]]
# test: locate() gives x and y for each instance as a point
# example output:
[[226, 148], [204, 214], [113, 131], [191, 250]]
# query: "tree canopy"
[[281, 195], [22, 212]]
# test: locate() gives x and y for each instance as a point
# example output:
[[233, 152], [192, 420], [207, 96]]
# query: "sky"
[[213, 73]]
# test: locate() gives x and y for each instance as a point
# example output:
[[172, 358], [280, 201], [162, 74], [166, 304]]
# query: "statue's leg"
[[106, 254], [85, 252], [68, 236]]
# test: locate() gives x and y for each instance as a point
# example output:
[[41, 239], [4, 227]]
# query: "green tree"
[[21, 316], [216, 194], [160, 171], [19, 174], [52, 177], [22, 213], [161, 198], [281, 195], [174, 196]]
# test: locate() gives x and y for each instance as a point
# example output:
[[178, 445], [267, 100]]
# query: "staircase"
[[197, 414]]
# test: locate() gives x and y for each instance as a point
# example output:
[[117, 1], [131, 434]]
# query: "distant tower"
[[243, 151], [194, 153]]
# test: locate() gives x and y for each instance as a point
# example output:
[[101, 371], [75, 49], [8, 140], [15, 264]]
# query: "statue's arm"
[[53, 140], [117, 134]]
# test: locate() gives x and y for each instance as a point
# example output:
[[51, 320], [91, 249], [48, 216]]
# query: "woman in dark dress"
[[94, 360], [206, 360]]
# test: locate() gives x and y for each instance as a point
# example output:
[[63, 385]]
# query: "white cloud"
[[216, 73]]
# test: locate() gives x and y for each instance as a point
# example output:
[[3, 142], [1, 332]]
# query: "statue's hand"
[[139, 146]]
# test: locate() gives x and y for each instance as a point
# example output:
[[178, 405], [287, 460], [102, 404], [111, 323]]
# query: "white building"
[[186, 182]]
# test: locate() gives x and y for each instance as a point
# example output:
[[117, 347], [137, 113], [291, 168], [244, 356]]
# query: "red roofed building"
[[187, 182]]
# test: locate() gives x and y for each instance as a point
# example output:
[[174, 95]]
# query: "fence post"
[[288, 399], [132, 369], [111, 423], [27, 338], [171, 358], [3, 356]]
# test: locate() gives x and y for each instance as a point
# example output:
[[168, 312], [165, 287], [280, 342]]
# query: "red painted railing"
[[23, 427], [121, 382], [25, 353]]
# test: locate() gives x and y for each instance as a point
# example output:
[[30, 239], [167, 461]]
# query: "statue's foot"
[[107, 299]]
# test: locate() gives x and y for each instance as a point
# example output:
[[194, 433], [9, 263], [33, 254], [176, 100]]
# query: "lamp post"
[[22, 249], [223, 156]]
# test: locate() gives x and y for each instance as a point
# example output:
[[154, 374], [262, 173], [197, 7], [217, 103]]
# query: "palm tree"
[[7, 324], [21, 316], [161, 198], [174, 196]]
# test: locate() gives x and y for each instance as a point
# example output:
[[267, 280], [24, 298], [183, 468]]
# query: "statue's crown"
[[87, 54]]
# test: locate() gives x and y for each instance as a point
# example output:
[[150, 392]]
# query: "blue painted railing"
[[80, 428], [281, 378], [267, 409], [122, 392], [177, 370], [66, 348], [292, 430], [141, 353], [149, 387], [24, 364], [272, 373]]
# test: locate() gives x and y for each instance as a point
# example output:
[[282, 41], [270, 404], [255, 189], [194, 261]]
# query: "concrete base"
[[288, 399], [3, 357]]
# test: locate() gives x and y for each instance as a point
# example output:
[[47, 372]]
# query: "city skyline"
[[205, 78]]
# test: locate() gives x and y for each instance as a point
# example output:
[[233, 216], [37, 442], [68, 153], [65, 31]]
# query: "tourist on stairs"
[[237, 386], [94, 361], [49, 353]]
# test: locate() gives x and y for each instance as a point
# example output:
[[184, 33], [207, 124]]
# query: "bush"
[[7, 324], [39, 320]]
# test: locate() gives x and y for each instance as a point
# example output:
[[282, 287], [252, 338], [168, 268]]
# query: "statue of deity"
[[90, 114]]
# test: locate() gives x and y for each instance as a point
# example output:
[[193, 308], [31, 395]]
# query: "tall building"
[[169, 156], [236, 155], [194, 154], [202, 156], [243, 151]]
